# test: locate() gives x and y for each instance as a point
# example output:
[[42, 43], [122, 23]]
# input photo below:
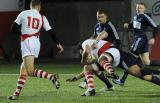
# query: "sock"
[[155, 80], [124, 77], [20, 84], [107, 66], [42, 74], [104, 79], [89, 78], [148, 71], [155, 63], [85, 81]]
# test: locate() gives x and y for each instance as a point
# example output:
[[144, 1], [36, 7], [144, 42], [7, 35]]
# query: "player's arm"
[[16, 28], [102, 35], [52, 33], [76, 77], [152, 24], [85, 54], [128, 25]]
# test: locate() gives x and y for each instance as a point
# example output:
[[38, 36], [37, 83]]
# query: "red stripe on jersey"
[[104, 48], [25, 36]]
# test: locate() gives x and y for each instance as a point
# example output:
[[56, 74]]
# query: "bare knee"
[[147, 77], [135, 71], [105, 56], [87, 68], [146, 62]]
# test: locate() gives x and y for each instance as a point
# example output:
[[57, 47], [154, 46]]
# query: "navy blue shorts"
[[127, 60], [139, 45]]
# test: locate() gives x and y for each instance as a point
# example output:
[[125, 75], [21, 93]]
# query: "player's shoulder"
[[87, 42], [97, 24], [25, 12]]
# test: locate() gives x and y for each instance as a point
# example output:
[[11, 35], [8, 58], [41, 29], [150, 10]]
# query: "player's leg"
[[90, 81], [97, 71], [105, 61], [20, 83], [147, 61], [83, 84], [122, 80], [137, 72], [29, 65]]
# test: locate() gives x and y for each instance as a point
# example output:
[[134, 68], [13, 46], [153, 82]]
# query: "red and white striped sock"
[[42, 74], [89, 78], [20, 84], [107, 66]]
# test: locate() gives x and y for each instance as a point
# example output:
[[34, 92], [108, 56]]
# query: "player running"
[[140, 46], [28, 25]]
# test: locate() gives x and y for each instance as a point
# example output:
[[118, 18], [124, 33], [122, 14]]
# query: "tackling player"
[[104, 30], [109, 56]]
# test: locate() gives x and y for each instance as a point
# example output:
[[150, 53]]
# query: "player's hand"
[[72, 79], [126, 25], [60, 47], [151, 41]]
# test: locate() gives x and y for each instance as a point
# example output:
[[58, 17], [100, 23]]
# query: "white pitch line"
[[6, 74]]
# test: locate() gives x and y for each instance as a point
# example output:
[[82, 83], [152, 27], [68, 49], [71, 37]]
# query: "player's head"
[[102, 16], [35, 4], [140, 8]]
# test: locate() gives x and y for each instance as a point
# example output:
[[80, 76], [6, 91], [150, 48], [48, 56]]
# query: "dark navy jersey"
[[140, 24], [112, 37]]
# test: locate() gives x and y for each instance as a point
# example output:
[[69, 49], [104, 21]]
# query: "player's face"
[[102, 18], [140, 8]]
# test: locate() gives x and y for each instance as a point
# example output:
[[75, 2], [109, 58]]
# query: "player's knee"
[[134, 70], [104, 57], [146, 77], [146, 62], [87, 68]]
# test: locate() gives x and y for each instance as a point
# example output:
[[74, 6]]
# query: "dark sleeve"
[[52, 33], [16, 29], [130, 26], [153, 25]]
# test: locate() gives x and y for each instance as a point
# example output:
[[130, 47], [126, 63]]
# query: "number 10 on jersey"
[[33, 22]]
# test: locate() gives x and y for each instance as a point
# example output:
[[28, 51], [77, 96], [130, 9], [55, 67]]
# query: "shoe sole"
[[55, 81]]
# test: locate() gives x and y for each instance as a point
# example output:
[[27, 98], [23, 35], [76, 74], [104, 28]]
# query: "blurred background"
[[73, 21]]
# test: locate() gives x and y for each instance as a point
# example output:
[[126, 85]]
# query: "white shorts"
[[116, 55], [30, 46]]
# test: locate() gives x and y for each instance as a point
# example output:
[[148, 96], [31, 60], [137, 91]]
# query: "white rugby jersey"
[[102, 46], [31, 22]]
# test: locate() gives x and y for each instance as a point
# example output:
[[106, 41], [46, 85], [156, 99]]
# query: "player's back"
[[30, 21]]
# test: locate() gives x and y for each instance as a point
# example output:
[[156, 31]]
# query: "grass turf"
[[42, 91]]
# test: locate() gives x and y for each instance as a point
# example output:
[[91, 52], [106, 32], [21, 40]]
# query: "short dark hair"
[[102, 12], [35, 2]]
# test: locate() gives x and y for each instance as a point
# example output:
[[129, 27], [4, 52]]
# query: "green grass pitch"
[[42, 91]]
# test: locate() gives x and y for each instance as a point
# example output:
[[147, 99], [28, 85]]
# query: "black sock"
[[155, 63], [85, 81], [155, 80], [124, 77], [148, 71], [104, 79]]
